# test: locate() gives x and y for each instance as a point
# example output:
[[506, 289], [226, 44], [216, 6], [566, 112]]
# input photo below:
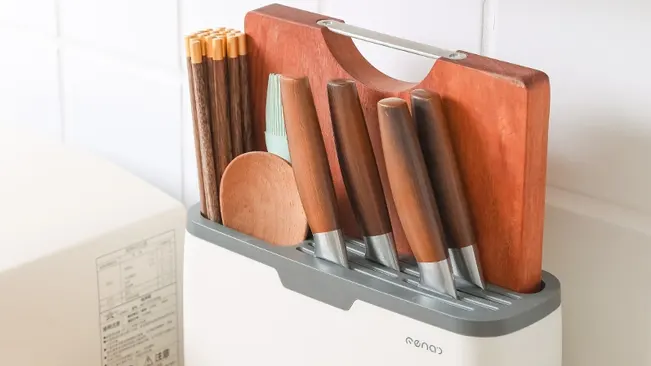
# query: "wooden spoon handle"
[[412, 191], [308, 155], [358, 167], [442, 167]]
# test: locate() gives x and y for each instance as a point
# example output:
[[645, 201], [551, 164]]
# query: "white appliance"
[[251, 303], [90, 261]]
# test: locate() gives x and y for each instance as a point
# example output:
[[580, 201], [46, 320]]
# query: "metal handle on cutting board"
[[390, 41]]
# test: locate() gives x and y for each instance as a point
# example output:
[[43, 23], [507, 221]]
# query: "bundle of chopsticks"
[[218, 75]]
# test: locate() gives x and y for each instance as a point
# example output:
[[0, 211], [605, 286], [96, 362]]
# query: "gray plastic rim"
[[501, 312]]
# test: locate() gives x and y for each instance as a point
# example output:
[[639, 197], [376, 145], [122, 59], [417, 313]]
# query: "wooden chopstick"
[[247, 128], [207, 40], [221, 122], [195, 122], [218, 78], [237, 141], [200, 85]]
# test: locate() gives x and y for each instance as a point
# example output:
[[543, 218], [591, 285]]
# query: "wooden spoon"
[[259, 197]]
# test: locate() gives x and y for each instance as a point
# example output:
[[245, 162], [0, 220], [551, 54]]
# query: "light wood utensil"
[[259, 197]]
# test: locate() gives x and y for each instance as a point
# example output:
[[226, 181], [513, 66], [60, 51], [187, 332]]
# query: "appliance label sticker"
[[137, 304]]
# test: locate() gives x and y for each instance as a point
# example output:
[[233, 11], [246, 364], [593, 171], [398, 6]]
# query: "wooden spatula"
[[259, 197]]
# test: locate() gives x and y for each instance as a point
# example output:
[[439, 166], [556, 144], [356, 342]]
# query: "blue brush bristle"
[[275, 121], [275, 134]]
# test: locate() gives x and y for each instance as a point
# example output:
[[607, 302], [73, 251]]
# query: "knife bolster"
[[382, 249], [466, 264], [437, 276], [330, 246]]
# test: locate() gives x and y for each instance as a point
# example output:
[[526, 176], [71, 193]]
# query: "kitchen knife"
[[311, 170], [360, 172], [413, 195], [436, 145]]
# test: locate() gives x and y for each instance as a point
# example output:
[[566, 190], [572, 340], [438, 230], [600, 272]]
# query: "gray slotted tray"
[[480, 313]]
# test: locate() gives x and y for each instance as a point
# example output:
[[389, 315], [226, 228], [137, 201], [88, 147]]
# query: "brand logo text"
[[424, 345]]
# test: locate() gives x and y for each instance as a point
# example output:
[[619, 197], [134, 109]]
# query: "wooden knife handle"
[[412, 191], [440, 160], [308, 155], [355, 153]]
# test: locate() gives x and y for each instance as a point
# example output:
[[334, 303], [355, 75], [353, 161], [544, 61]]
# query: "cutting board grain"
[[498, 114]]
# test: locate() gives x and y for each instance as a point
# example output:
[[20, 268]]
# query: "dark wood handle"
[[247, 128], [412, 191], [308, 155], [221, 122], [355, 153], [202, 104], [235, 98], [195, 133], [441, 163]]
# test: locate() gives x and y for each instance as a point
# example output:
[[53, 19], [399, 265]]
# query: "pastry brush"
[[275, 134]]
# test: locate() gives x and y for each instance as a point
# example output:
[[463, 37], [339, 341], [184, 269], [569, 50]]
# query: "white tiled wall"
[[596, 54], [129, 116], [29, 84], [108, 76]]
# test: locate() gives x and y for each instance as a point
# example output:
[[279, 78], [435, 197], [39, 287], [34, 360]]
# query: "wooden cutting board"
[[498, 114]]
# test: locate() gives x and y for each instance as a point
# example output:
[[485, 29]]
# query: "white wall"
[[108, 76]]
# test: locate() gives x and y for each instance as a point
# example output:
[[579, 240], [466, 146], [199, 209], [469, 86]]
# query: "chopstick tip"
[[241, 44], [218, 48], [196, 51], [231, 46]]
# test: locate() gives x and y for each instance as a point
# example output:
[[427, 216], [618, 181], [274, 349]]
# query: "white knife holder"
[[249, 302]]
